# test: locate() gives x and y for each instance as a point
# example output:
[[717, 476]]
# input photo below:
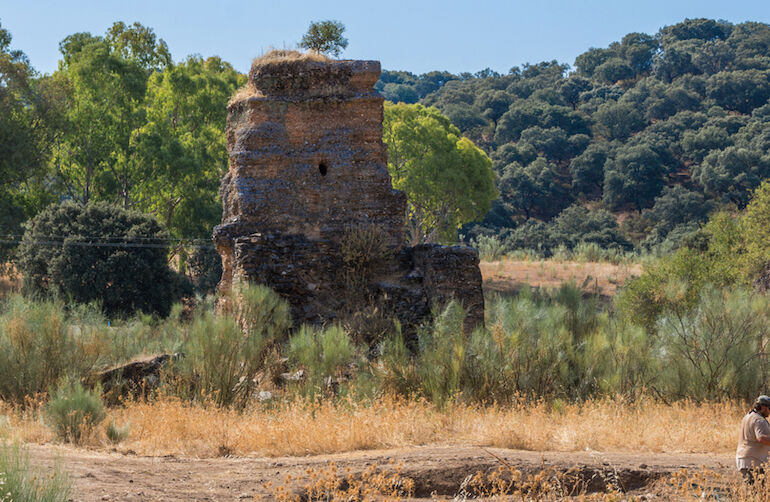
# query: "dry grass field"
[[169, 426], [507, 276], [394, 449]]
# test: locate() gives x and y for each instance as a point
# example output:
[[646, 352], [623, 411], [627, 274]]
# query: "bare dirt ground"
[[438, 471], [509, 276]]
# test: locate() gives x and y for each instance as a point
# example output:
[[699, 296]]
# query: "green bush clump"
[[564, 345], [74, 411], [321, 351], [99, 252], [40, 342], [224, 353], [205, 266], [20, 482], [396, 369], [117, 434], [716, 349], [490, 247]]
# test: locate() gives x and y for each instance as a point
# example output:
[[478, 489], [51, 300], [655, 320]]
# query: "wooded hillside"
[[659, 130]]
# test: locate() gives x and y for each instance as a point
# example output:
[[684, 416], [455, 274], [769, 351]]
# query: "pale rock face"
[[307, 163]]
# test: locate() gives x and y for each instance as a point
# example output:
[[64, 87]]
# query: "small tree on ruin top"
[[325, 37]]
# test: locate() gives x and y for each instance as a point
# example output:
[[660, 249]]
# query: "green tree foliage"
[[755, 229], [613, 70], [634, 176], [534, 190], [576, 225], [17, 136], [677, 208], [684, 105], [325, 37], [119, 122], [139, 44], [107, 81], [732, 173], [100, 253], [26, 128], [180, 148], [618, 120], [674, 284], [447, 179], [587, 170], [740, 91], [527, 114], [406, 87]]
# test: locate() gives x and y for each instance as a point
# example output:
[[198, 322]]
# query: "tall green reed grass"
[[21, 482]]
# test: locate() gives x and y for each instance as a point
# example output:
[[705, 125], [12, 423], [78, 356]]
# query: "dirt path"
[[437, 470]]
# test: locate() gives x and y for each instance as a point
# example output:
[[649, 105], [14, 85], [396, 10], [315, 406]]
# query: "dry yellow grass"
[[510, 275], [173, 427], [270, 57], [283, 55], [10, 280]]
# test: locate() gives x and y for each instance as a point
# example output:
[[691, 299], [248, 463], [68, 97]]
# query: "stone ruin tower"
[[307, 164]]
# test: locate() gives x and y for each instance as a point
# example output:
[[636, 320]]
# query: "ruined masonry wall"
[[307, 162]]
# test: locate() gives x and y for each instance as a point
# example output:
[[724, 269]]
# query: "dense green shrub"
[[550, 346], [490, 247], [442, 354], [75, 411], [40, 342], [224, 353], [755, 232], [21, 482], [103, 253], [322, 352], [717, 349], [709, 258], [396, 368], [577, 224]]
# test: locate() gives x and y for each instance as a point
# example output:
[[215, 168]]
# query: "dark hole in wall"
[[323, 168]]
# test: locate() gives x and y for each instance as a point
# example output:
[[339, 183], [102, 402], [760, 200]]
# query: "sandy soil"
[[508, 276], [437, 470]]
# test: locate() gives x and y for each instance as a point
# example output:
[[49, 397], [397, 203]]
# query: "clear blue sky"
[[413, 35]]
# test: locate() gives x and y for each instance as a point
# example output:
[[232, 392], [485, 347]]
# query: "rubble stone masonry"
[[307, 164]]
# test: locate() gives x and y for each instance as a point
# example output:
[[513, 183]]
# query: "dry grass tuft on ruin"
[[286, 55]]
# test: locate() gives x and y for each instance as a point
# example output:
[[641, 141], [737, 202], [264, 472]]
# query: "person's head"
[[762, 405]]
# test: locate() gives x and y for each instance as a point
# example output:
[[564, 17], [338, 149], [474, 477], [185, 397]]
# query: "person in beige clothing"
[[754, 441]]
